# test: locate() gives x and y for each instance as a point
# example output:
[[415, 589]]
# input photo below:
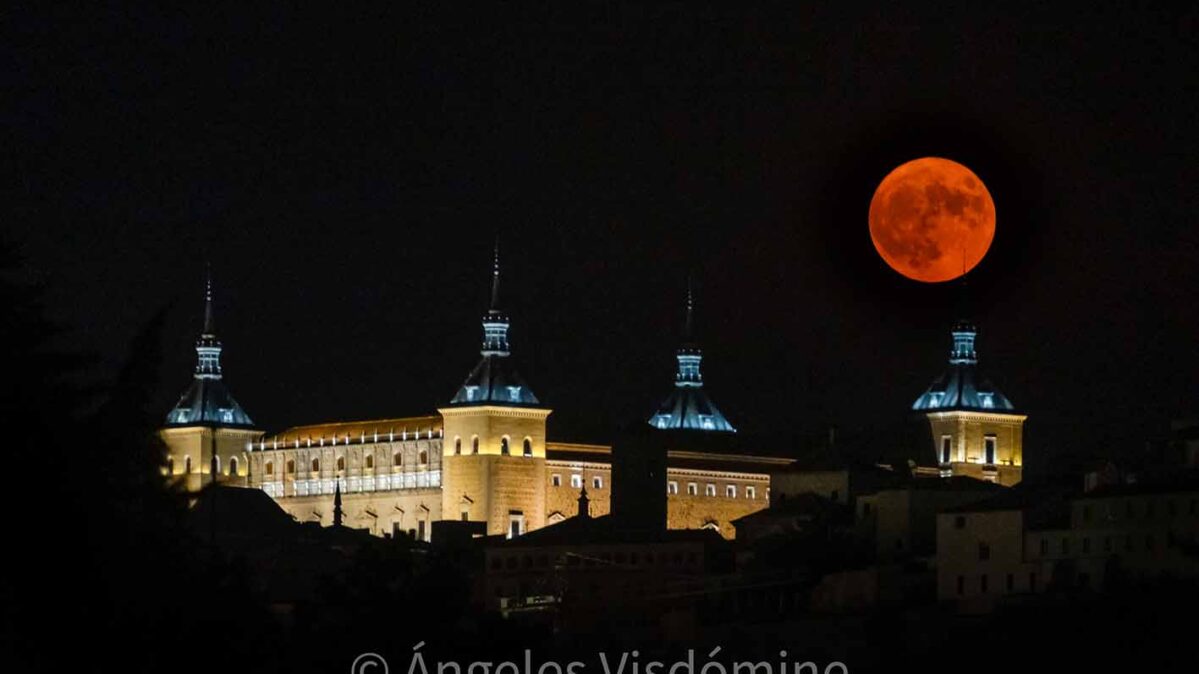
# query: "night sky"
[[347, 175]]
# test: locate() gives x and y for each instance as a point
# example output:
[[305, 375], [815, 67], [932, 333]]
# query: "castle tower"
[[207, 427], [493, 454], [975, 429], [688, 405]]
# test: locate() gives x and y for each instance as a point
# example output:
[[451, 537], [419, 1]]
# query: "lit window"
[[597, 482], [576, 481], [556, 480], [710, 490], [730, 491], [692, 489], [672, 487]]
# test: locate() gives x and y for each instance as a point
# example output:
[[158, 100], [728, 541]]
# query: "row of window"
[[527, 449], [1109, 545], [989, 444], [576, 481], [368, 462], [730, 490], [622, 558], [1009, 583], [1150, 509], [187, 465]]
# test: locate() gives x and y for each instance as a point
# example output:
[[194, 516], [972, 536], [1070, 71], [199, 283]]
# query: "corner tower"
[[493, 454], [688, 405], [207, 421], [976, 430]]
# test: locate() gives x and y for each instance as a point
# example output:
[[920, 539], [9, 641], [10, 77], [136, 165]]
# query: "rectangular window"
[[710, 490], [576, 481], [1086, 545], [672, 487], [1086, 513], [989, 450], [516, 523], [692, 489], [984, 552], [1044, 546], [982, 584], [946, 448], [597, 482], [730, 491], [1065, 546], [751, 493], [556, 480], [420, 530]]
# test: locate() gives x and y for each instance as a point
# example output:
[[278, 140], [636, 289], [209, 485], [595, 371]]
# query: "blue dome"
[[962, 387]]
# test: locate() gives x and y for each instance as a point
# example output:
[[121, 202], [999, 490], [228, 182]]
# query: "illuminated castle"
[[975, 428], [484, 457]]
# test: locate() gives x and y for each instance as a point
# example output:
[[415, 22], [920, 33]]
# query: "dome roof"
[[962, 386]]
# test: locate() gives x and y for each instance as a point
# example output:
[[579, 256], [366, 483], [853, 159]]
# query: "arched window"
[[424, 457], [316, 465], [397, 459], [528, 447], [216, 460], [504, 445], [474, 445], [341, 463], [370, 461], [187, 465], [170, 465], [291, 466], [270, 468], [457, 446], [233, 466]]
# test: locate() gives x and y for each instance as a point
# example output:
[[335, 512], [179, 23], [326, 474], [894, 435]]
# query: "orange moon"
[[932, 219]]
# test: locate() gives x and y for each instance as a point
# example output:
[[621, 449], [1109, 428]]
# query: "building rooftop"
[[494, 380], [206, 401], [688, 405], [962, 386], [355, 432]]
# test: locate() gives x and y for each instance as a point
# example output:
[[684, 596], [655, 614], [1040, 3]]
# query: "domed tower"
[[688, 405], [493, 462], [976, 430], [207, 421]]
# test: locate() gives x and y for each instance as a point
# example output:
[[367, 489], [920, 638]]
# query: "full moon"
[[932, 219]]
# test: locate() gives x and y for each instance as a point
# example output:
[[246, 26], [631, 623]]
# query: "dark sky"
[[346, 175]]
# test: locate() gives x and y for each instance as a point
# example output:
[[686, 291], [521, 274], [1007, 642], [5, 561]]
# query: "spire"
[[584, 504], [208, 347], [495, 279], [689, 354], [495, 323], [688, 406], [337, 514], [689, 326], [208, 325]]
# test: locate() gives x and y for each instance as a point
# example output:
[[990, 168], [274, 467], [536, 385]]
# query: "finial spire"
[[689, 325], [495, 277], [337, 514], [208, 324], [584, 504]]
